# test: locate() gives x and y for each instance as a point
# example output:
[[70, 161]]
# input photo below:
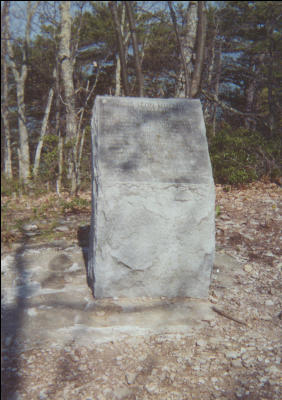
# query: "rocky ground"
[[236, 354]]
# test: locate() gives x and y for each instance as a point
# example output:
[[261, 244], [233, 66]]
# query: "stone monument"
[[152, 228]]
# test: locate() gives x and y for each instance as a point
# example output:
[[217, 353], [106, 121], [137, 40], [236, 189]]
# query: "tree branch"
[[225, 106]]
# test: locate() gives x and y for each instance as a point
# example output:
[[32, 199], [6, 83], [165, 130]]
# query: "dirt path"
[[60, 344]]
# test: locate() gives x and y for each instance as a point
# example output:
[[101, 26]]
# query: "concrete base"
[[51, 302]]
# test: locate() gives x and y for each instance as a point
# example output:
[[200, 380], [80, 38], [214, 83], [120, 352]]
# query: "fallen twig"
[[224, 314]]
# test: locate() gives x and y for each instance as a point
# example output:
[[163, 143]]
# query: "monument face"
[[152, 229]]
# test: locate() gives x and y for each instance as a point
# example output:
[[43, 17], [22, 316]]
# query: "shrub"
[[77, 204], [10, 186], [240, 156]]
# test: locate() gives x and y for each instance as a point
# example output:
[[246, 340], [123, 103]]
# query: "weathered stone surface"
[[152, 230]]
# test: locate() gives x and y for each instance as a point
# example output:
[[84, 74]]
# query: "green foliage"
[[237, 156], [251, 54], [49, 160], [4, 211], [77, 204], [247, 39], [12, 186]]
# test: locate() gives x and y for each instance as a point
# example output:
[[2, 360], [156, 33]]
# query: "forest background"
[[56, 57]]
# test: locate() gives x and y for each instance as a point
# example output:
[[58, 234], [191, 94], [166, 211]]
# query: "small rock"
[[30, 234], [59, 243], [249, 362], [101, 314], [62, 228], [273, 370], [32, 312], [269, 303], [266, 317], [42, 395], [122, 393], [248, 268], [240, 393], [130, 377], [74, 267], [29, 227], [172, 376], [236, 363], [152, 388], [201, 343], [263, 379], [231, 354], [213, 300]]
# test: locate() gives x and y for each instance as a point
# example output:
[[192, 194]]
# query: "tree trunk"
[[7, 142], [183, 60], [118, 64], [251, 92], [43, 129], [20, 78], [113, 8], [24, 160], [216, 88], [132, 26], [201, 41], [60, 163], [5, 94], [188, 45], [250, 98], [118, 76], [58, 130], [271, 104], [211, 66], [67, 67]]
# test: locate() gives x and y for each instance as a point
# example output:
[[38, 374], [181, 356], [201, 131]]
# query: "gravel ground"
[[237, 355]]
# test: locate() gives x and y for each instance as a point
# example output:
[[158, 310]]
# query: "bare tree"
[[132, 26], [114, 11], [216, 86], [59, 131], [191, 45], [200, 52], [187, 46], [180, 47], [43, 128], [20, 76], [75, 134], [4, 92], [251, 90], [67, 70]]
